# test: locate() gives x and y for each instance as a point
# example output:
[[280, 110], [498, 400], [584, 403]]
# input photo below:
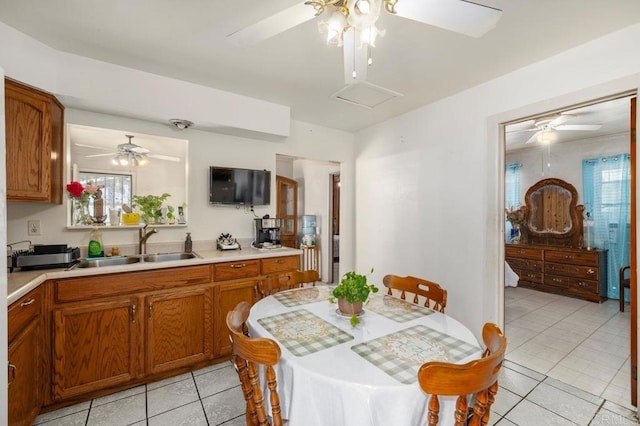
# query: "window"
[[116, 189], [511, 193], [607, 201]]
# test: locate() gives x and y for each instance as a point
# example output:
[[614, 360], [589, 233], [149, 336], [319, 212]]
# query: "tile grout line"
[[206, 418]]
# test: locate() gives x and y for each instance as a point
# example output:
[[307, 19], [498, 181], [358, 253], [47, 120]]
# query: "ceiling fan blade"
[[459, 16], [522, 130], [164, 157], [355, 58], [589, 127], [102, 148], [534, 137], [274, 24], [100, 155], [561, 119]]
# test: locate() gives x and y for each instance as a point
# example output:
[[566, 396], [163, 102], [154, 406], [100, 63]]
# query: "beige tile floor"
[[568, 363]]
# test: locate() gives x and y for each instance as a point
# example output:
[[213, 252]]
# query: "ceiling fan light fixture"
[[180, 123]]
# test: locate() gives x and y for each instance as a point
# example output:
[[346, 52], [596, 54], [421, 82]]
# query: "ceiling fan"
[[545, 127], [351, 24], [128, 154]]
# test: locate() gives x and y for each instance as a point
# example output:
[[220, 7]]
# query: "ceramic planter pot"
[[349, 308]]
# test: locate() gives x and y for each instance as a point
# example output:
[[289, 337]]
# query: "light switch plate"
[[33, 227]]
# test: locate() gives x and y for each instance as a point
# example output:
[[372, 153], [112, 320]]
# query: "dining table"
[[331, 373]]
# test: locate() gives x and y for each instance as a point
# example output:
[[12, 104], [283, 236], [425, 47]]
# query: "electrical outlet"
[[33, 227]]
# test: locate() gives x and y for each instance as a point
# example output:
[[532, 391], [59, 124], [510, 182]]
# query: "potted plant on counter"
[[150, 206], [352, 292]]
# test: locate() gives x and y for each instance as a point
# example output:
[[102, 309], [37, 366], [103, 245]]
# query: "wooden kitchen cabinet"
[[179, 329], [25, 359], [96, 345], [34, 144], [227, 296]]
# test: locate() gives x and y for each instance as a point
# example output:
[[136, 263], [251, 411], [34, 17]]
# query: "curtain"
[[511, 193], [607, 200]]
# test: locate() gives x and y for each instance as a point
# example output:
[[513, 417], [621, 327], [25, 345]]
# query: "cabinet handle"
[[27, 302], [13, 370], [590, 271], [556, 280], [582, 284], [238, 265], [278, 261], [568, 257], [150, 309], [133, 313]]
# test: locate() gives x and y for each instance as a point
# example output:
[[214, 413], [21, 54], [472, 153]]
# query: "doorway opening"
[[334, 255], [552, 328]]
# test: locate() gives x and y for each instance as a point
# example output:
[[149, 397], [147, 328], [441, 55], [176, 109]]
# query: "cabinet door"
[[96, 345], [24, 375], [33, 144], [287, 209], [179, 329], [226, 297]]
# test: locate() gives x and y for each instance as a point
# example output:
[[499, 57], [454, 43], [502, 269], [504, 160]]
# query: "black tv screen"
[[239, 186]]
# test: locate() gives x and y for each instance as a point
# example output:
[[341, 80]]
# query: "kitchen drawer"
[[556, 281], [532, 276], [236, 270], [279, 264], [583, 286], [571, 270], [524, 252], [83, 288], [575, 257], [23, 311]]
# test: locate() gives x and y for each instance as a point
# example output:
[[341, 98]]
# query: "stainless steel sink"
[[166, 257], [108, 261]]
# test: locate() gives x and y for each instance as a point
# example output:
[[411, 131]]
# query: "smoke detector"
[[181, 124]]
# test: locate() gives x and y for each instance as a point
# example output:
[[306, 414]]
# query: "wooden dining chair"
[[624, 282], [477, 378], [286, 281], [248, 353], [435, 296]]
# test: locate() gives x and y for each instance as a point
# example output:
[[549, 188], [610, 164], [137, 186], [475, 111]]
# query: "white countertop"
[[21, 283]]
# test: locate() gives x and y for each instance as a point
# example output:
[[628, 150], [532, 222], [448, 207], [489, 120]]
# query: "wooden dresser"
[[562, 270]]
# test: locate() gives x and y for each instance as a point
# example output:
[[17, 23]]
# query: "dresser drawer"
[[279, 264], [236, 270], [576, 257], [527, 264], [23, 311], [532, 276], [571, 270], [556, 281], [524, 252], [578, 286]]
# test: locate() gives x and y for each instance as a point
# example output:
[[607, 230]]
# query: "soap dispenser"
[[188, 244], [96, 249]]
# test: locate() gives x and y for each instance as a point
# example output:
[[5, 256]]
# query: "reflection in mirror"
[[550, 210], [128, 164]]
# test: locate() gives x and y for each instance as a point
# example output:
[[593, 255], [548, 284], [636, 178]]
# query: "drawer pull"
[[590, 271], [27, 302], [582, 284], [568, 257], [12, 376], [133, 313], [531, 276], [238, 265], [556, 280], [278, 261]]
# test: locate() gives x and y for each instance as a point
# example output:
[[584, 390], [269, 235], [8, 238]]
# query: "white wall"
[[566, 160], [314, 182], [429, 195], [3, 264]]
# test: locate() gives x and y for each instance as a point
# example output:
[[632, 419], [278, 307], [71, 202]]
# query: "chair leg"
[[622, 299]]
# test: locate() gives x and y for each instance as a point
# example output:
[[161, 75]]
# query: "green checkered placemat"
[[401, 354], [396, 309], [303, 333], [302, 296]]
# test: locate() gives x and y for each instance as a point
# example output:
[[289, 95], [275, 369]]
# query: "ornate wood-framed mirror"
[[553, 216]]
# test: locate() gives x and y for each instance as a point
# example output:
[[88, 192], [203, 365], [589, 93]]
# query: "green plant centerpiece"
[[352, 292], [150, 206]]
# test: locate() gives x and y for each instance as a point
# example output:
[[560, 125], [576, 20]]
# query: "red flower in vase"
[[75, 189]]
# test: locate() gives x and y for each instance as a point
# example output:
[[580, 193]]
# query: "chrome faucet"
[[143, 237]]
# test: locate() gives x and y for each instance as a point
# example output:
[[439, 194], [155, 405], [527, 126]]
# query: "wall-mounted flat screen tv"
[[239, 186]]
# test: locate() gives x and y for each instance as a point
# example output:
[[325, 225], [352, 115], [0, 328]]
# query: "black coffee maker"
[[267, 232]]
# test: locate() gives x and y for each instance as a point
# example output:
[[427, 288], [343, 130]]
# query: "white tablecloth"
[[336, 386]]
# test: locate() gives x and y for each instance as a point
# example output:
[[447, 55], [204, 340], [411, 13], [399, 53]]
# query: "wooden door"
[[634, 264], [226, 297], [179, 329], [24, 375], [96, 346], [287, 209]]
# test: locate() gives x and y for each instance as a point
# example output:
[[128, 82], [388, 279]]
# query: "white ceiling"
[[186, 40]]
